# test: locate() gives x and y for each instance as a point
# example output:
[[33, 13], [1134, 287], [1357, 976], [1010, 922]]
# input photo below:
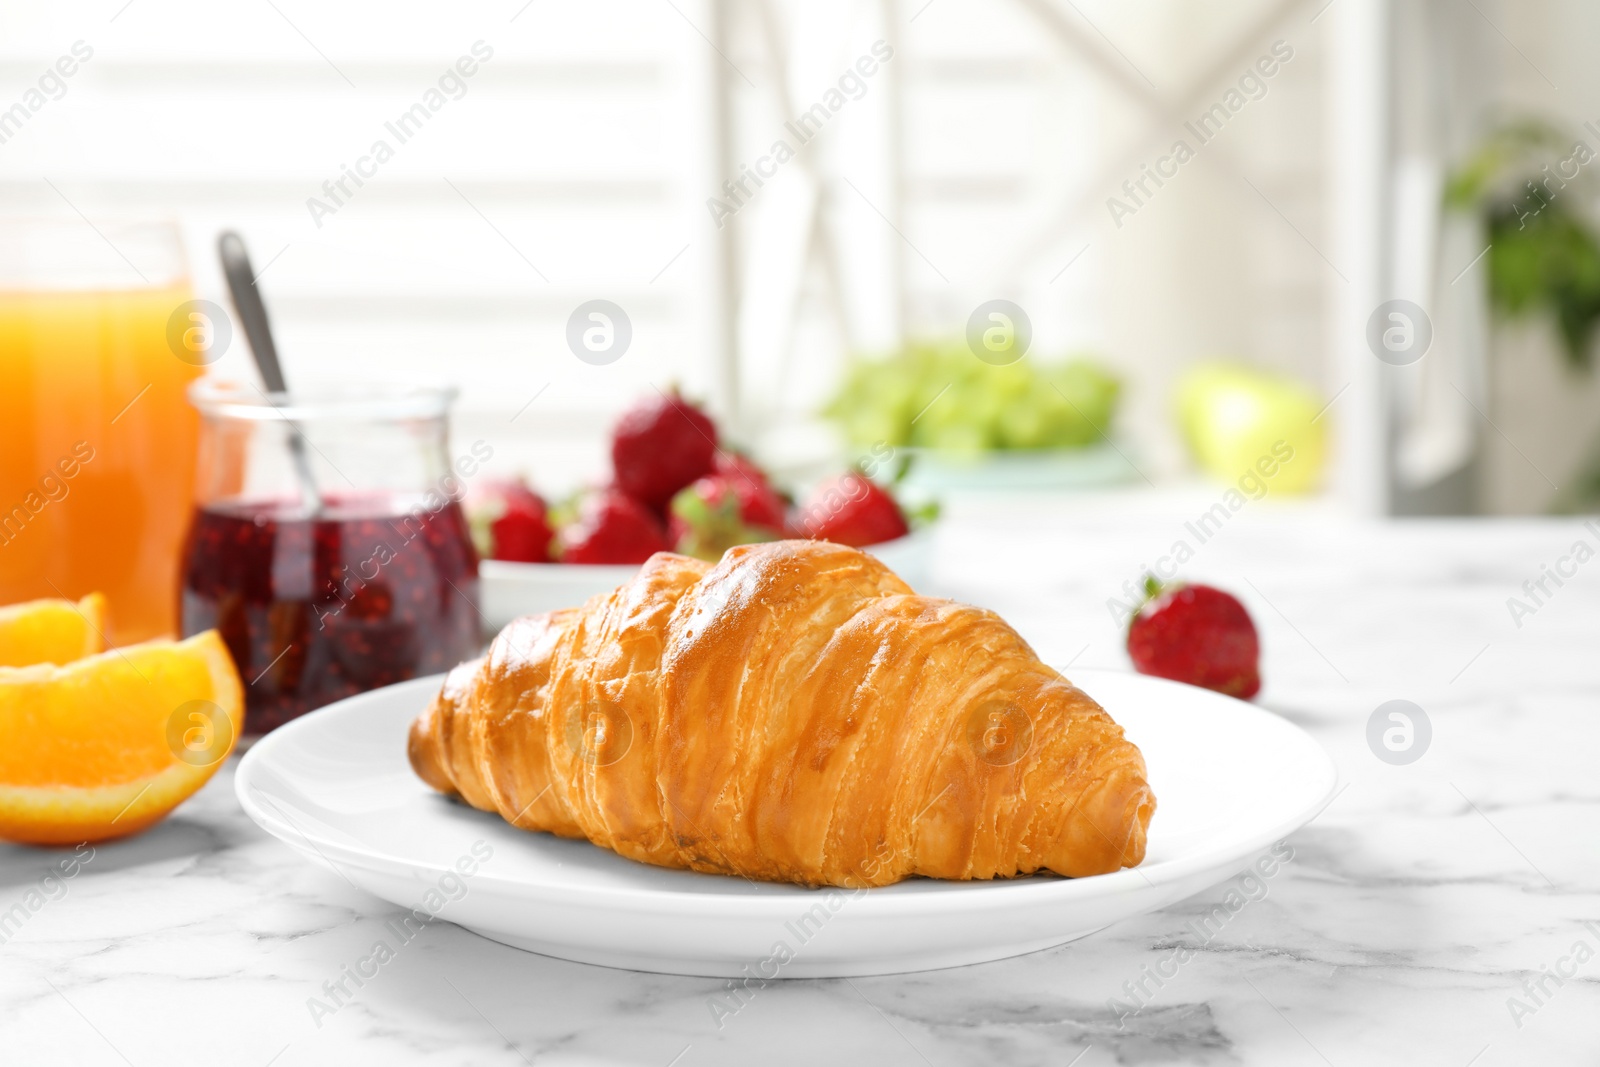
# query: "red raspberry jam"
[[314, 610]]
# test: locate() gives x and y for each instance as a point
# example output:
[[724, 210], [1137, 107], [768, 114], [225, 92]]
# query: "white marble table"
[[1415, 909]]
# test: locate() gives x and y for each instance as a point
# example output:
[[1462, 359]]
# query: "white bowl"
[[509, 590], [1093, 466], [1230, 779]]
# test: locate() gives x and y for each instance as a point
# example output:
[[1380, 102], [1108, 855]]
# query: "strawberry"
[[612, 527], [509, 521], [1196, 634], [759, 503], [729, 461], [722, 510], [852, 510], [661, 445]]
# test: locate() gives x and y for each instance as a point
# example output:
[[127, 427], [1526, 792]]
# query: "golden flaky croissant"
[[793, 713]]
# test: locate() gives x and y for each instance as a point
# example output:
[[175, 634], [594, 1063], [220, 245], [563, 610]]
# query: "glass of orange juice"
[[99, 338]]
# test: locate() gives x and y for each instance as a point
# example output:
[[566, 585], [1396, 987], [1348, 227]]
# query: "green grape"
[[937, 395]]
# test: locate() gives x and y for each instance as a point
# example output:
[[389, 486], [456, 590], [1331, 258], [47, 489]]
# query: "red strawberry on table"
[[851, 510], [716, 512], [661, 445], [612, 527], [1196, 634], [509, 521]]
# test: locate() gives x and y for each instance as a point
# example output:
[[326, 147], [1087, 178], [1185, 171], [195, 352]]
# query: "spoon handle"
[[252, 312], [253, 315]]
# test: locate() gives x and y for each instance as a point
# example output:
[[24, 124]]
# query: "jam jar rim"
[[227, 399]]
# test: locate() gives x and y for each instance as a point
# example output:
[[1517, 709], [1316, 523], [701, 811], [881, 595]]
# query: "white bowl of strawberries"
[[673, 489]]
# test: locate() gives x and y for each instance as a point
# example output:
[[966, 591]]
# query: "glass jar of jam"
[[328, 545]]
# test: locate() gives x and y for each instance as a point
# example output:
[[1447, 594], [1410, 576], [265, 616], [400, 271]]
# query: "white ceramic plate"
[[1230, 780], [512, 589]]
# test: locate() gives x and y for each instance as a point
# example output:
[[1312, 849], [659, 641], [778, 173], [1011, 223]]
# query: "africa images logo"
[[1206, 127], [851, 85], [451, 85]]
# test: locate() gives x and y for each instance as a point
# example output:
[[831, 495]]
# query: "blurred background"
[[937, 155]]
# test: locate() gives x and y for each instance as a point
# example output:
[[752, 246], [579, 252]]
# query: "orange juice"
[[97, 450]]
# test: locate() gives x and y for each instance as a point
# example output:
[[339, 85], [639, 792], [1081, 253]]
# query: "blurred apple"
[[1232, 415]]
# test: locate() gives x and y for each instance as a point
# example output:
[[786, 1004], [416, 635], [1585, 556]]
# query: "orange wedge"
[[52, 631], [105, 746]]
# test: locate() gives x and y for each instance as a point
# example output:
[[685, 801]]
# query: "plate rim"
[[780, 896]]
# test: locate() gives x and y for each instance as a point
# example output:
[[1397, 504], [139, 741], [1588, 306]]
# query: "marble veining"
[[1426, 917]]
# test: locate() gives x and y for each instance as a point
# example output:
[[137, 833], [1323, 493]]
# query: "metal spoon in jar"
[[253, 315]]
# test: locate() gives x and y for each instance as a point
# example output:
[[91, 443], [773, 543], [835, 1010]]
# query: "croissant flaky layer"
[[793, 713]]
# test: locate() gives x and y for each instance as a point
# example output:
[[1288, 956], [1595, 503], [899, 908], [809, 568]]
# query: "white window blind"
[[576, 161], [560, 171]]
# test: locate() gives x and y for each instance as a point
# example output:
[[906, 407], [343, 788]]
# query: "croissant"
[[793, 713]]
